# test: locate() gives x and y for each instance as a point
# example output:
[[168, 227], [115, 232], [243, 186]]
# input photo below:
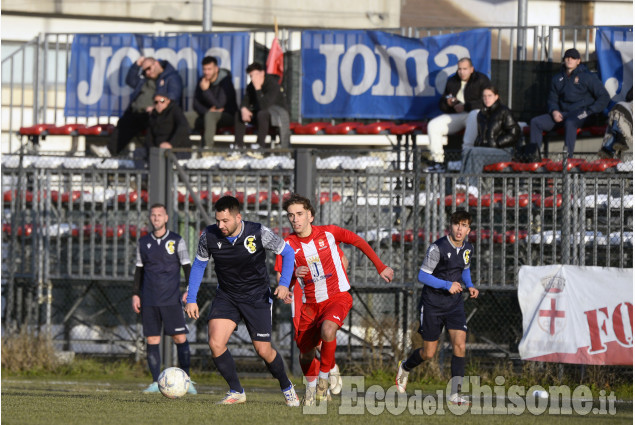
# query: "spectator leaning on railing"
[[576, 94]]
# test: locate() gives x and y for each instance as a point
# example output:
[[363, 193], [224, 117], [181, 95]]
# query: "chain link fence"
[[71, 224]]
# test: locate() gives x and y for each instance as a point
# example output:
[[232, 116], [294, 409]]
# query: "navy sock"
[[457, 367], [413, 361], [154, 360], [183, 352], [227, 368], [276, 367]]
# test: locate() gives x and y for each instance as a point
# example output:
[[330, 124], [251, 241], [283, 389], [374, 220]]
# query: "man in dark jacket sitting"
[[264, 104], [168, 127], [214, 100], [576, 94], [146, 76]]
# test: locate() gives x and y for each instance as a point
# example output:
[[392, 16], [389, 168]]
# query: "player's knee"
[[179, 339], [217, 347], [459, 349]]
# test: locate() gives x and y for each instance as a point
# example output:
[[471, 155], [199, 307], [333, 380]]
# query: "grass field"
[[50, 401]]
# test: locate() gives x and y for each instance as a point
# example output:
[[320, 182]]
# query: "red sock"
[[328, 355], [311, 370]]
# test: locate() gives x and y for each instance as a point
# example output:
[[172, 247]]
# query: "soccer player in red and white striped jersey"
[[325, 297]]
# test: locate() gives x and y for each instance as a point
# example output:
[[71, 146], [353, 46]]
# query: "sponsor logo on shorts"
[[250, 243], [336, 317], [179, 329], [169, 247], [262, 335]]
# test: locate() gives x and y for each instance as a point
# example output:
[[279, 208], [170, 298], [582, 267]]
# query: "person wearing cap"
[[576, 94], [264, 105]]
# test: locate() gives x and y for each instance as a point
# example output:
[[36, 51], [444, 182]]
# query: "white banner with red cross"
[[576, 314]]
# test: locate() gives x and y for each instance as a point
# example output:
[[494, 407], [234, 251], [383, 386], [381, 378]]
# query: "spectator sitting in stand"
[[264, 104], [214, 101], [460, 104], [168, 127], [146, 76], [576, 94], [619, 132], [498, 135]]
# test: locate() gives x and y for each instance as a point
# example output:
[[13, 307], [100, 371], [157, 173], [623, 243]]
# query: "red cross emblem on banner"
[[551, 315]]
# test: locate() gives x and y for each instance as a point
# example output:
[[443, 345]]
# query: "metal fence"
[[70, 227], [34, 75]]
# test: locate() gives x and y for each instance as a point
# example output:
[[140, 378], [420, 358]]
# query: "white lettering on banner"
[[576, 314], [332, 53], [106, 67], [100, 55], [325, 91], [625, 48]]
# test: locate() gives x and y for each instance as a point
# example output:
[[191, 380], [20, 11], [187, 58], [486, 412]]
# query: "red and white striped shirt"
[[321, 253]]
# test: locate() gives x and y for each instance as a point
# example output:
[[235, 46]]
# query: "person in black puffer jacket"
[[498, 135], [168, 127]]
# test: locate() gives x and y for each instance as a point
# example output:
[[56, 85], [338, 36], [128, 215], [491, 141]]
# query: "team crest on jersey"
[[321, 244], [250, 243], [149, 245], [169, 247], [219, 244], [466, 256]]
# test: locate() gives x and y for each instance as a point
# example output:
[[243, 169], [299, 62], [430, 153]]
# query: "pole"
[[522, 33], [207, 15]]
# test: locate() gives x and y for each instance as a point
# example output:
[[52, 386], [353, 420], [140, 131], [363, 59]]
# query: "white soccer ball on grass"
[[173, 382]]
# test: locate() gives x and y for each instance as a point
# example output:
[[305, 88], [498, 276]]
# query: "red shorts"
[[335, 309]]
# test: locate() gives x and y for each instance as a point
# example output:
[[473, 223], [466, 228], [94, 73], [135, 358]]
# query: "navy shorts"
[[257, 315], [433, 319], [171, 316]]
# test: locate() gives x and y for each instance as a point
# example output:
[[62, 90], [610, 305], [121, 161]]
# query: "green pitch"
[[50, 402]]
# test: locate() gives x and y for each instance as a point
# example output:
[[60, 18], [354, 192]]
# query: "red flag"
[[275, 60]]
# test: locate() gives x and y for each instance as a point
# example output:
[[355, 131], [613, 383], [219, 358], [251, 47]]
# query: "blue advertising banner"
[[373, 74], [614, 48], [99, 63]]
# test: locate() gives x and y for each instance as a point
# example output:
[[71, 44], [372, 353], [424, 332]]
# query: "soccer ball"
[[173, 382]]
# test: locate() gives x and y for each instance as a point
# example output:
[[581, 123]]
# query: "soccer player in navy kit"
[[239, 251], [160, 256], [446, 264]]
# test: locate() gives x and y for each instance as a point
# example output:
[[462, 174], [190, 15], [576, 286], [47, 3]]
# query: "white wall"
[[500, 13], [613, 14]]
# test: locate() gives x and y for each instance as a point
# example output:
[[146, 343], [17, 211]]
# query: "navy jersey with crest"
[[240, 265], [446, 262], [161, 259]]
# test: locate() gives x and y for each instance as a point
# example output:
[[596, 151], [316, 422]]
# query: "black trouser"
[[261, 119], [129, 125]]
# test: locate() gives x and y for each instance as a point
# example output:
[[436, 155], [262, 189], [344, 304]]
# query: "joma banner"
[[373, 74], [99, 64], [576, 314]]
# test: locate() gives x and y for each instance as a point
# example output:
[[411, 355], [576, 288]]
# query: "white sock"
[[323, 375], [312, 384]]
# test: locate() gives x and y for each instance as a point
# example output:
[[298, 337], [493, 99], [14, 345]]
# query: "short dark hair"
[[459, 216], [227, 203], [209, 59], [299, 199], [468, 60], [256, 66], [159, 206]]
